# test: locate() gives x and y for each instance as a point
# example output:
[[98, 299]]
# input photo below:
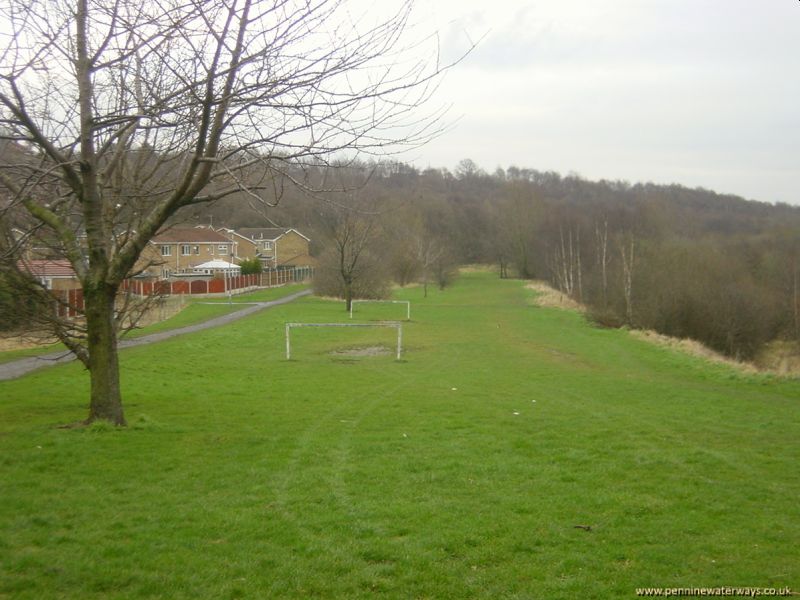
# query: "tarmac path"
[[18, 368]]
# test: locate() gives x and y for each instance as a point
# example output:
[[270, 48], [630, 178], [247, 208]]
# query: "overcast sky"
[[698, 92]]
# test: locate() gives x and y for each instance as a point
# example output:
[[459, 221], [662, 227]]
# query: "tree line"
[[685, 262]]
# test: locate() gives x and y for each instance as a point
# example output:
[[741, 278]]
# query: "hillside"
[[461, 471]]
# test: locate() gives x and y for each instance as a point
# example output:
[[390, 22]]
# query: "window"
[[211, 249], [197, 249], [186, 250], [165, 273], [166, 250], [267, 245], [222, 248]]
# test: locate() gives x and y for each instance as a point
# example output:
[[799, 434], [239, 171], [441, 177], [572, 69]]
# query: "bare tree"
[[626, 252], [429, 251], [125, 111], [352, 268], [601, 256], [566, 264], [515, 229]]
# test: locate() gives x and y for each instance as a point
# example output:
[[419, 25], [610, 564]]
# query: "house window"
[[267, 245], [166, 250], [222, 248], [165, 273], [186, 250], [211, 249], [197, 249]]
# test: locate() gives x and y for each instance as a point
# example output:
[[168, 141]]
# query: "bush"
[[251, 266], [604, 318]]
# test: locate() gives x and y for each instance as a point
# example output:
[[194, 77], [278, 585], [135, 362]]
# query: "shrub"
[[251, 266]]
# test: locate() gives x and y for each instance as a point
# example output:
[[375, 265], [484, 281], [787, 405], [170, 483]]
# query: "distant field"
[[460, 471]]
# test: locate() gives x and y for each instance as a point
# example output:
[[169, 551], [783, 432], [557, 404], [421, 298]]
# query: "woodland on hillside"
[[685, 262]]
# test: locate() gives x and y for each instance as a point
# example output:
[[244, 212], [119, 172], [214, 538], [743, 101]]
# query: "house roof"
[[232, 232], [267, 233], [47, 268], [195, 235], [217, 264]]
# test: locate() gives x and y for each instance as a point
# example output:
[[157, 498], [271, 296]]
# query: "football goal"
[[395, 324], [406, 302]]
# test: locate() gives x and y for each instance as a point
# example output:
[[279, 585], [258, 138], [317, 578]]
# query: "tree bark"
[[348, 295], [796, 301], [627, 278], [106, 397]]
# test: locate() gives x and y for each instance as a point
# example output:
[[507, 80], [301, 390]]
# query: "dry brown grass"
[[551, 298], [23, 341], [476, 268], [693, 348], [780, 357]]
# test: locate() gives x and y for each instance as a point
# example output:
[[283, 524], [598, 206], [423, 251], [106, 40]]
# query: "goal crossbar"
[[395, 324], [406, 302]]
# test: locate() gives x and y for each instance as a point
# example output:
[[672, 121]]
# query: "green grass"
[[457, 472], [265, 295], [11, 355], [197, 311], [194, 313]]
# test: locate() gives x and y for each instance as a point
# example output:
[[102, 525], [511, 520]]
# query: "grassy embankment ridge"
[[460, 471]]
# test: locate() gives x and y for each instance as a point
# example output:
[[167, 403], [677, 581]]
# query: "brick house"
[[177, 251], [279, 247], [52, 274], [243, 247]]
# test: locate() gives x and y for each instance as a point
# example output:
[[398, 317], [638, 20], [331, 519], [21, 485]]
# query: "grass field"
[[460, 471]]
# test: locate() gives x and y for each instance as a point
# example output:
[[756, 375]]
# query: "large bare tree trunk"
[[103, 362]]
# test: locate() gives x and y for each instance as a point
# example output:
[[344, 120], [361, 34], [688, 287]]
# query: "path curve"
[[18, 368]]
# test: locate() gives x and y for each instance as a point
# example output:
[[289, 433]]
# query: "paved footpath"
[[18, 368]]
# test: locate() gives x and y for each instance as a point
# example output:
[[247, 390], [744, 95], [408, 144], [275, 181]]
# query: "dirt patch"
[[363, 351], [548, 297]]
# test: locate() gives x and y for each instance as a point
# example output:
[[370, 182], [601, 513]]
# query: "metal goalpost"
[[406, 302], [395, 324]]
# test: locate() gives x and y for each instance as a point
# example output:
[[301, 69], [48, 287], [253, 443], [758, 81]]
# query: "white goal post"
[[406, 302], [396, 324]]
